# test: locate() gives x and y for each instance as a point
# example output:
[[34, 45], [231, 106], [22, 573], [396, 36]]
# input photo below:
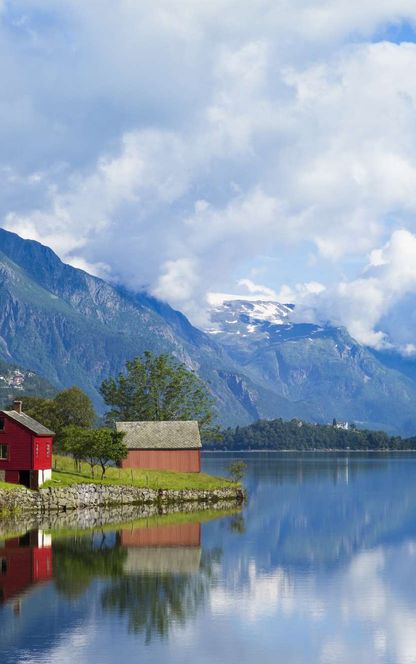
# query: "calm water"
[[320, 566]]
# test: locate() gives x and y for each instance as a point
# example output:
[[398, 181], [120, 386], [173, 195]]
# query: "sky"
[[249, 147]]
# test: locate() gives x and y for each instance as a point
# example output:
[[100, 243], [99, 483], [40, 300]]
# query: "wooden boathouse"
[[173, 445]]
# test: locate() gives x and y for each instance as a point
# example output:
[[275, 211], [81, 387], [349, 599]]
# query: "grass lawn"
[[10, 487], [64, 474]]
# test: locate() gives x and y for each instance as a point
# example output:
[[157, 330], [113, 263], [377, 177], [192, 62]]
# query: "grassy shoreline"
[[66, 474]]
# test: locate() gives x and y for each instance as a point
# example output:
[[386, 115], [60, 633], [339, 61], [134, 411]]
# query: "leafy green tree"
[[95, 446], [108, 446], [158, 387], [77, 442], [70, 407], [42, 410], [74, 407], [237, 470]]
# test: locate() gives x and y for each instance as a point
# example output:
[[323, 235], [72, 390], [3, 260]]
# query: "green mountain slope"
[[74, 328]]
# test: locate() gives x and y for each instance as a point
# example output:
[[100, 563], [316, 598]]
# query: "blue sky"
[[256, 148]]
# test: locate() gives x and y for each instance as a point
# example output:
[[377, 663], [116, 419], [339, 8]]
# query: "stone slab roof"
[[151, 560], [173, 435], [28, 422]]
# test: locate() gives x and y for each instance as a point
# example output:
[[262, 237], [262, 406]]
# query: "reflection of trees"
[[78, 560], [153, 602], [237, 524]]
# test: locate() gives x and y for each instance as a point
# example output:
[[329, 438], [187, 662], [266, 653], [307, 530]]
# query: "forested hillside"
[[297, 435]]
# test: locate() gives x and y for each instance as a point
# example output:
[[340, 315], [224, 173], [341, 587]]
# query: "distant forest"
[[297, 435]]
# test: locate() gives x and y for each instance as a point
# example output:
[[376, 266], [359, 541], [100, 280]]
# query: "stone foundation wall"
[[97, 495], [97, 517]]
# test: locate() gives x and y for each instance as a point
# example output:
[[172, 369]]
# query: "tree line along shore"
[[298, 435]]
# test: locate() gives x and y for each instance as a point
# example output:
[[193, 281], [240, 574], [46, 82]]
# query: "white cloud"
[[248, 290], [366, 305], [177, 149]]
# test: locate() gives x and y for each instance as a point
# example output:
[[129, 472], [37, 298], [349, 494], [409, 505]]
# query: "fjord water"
[[319, 566]]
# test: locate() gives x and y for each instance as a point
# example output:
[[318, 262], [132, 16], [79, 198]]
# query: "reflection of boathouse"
[[24, 562], [173, 548]]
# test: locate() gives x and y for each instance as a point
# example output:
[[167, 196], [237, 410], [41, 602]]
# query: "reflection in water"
[[155, 575], [162, 549], [166, 578], [79, 560], [319, 568], [24, 562]]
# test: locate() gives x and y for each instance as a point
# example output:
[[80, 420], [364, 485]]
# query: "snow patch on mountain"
[[245, 317]]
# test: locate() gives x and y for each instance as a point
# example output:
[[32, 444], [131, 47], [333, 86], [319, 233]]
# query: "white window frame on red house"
[[4, 452]]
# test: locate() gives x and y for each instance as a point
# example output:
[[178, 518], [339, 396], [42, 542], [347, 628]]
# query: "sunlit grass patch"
[[8, 486], [65, 474]]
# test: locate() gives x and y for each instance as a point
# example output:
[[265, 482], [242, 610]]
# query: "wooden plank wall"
[[185, 461]]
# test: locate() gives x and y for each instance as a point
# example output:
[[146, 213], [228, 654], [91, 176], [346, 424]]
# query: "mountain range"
[[69, 327]]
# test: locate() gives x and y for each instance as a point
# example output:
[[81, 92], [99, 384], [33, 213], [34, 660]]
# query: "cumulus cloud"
[[371, 305], [171, 151], [247, 290]]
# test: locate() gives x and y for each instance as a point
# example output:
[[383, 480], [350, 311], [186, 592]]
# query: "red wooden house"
[[25, 449]]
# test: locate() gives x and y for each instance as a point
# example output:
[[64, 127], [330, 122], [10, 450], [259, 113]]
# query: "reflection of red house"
[[24, 562], [25, 449]]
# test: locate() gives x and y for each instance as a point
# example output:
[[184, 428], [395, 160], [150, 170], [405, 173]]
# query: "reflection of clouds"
[[264, 594], [258, 598], [70, 648], [358, 614], [363, 591]]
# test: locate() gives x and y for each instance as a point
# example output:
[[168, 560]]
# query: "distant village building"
[[25, 449], [171, 445], [342, 425]]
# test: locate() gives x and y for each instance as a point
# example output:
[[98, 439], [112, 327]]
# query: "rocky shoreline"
[[100, 517], [81, 496]]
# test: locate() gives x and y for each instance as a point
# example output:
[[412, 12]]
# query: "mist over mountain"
[[73, 328]]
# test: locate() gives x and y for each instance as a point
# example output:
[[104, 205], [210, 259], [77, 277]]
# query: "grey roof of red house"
[[28, 422], [173, 435]]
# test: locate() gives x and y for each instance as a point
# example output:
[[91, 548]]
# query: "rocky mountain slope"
[[322, 370], [72, 328]]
